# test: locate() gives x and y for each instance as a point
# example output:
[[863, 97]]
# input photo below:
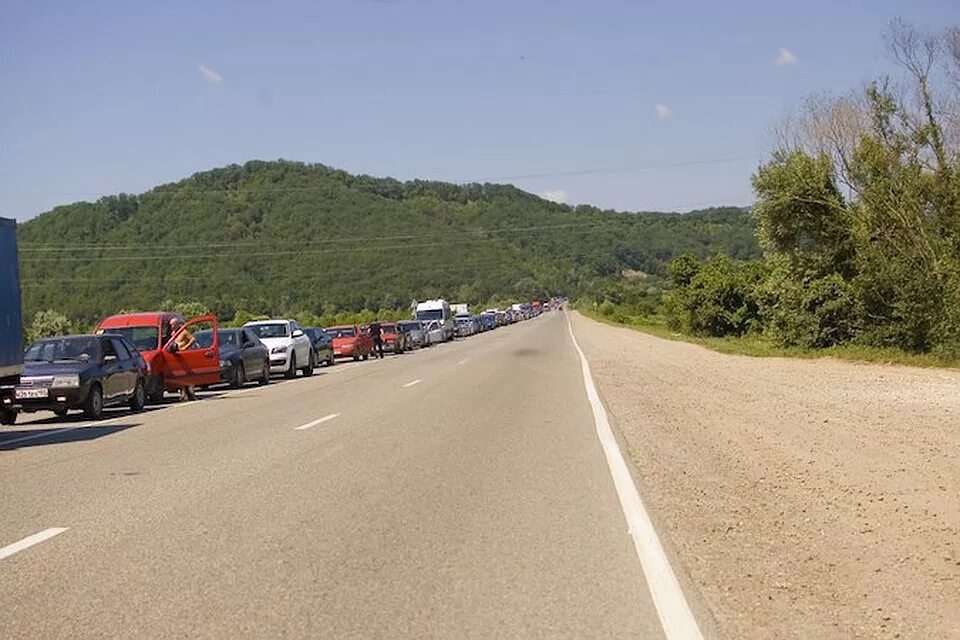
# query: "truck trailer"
[[11, 320]]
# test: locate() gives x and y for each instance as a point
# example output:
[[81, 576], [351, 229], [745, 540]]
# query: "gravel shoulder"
[[804, 498]]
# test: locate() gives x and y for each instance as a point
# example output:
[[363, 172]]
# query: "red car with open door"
[[196, 365], [150, 333]]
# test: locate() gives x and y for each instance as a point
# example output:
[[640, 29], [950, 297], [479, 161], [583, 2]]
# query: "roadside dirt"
[[804, 498]]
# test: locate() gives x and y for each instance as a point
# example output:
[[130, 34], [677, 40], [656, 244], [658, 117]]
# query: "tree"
[[48, 323]]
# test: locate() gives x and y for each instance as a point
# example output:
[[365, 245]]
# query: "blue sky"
[[99, 97]]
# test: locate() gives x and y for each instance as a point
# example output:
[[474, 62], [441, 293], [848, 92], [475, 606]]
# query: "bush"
[[821, 312], [720, 299]]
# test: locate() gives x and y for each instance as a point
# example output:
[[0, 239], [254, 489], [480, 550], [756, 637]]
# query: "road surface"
[[458, 491]]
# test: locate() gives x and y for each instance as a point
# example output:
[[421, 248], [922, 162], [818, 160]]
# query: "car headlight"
[[281, 349], [66, 382]]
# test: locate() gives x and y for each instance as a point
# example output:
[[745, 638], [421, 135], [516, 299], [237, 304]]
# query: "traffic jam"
[[134, 359]]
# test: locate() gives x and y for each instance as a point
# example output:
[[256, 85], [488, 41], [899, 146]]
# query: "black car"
[[322, 344], [242, 356], [81, 372]]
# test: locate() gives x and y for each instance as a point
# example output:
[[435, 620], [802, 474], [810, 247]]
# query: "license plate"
[[22, 394]]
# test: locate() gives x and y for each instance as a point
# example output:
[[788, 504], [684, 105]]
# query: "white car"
[[434, 332], [290, 348]]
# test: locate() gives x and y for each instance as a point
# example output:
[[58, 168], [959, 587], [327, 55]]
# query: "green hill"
[[280, 237]]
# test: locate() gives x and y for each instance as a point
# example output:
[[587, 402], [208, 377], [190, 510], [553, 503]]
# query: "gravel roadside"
[[805, 498]]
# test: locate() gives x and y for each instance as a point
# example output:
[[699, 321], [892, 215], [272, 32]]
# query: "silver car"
[[416, 336]]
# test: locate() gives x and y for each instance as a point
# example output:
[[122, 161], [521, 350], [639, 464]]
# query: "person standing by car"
[[183, 341], [376, 333]]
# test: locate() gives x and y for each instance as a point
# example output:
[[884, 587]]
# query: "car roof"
[[275, 321], [146, 318]]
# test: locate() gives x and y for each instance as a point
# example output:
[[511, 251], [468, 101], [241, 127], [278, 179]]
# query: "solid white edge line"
[[29, 541], [317, 421], [412, 382], [676, 617]]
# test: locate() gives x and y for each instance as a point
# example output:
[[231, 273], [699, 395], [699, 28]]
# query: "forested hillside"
[[282, 237]]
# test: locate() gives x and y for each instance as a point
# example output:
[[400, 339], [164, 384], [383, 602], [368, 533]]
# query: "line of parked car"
[[136, 358]]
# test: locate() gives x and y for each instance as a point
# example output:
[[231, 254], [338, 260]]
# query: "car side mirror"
[[297, 333]]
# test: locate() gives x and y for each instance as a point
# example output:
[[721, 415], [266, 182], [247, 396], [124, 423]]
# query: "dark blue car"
[[81, 372]]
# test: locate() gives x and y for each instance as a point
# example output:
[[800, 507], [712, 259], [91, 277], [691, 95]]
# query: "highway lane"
[[473, 503]]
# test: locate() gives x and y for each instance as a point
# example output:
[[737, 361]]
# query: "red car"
[[169, 370], [393, 340], [349, 341]]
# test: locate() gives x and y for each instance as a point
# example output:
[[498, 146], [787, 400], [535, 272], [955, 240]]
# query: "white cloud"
[[785, 57], [559, 196], [210, 75], [663, 111]]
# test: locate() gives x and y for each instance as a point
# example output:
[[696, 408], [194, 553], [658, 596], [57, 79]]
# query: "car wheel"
[[291, 371], [138, 399], [8, 416], [93, 405], [156, 394], [60, 413], [311, 364], [264, 374], [239, 376]]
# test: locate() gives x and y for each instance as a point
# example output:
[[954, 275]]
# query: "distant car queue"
[[137, 358]]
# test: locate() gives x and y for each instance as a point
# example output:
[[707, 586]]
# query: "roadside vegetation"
[[858, 216]]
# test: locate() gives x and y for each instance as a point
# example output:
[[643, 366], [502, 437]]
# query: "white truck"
[[437, 311], [460, 309]]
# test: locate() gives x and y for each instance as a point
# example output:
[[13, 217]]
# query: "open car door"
[[197, 365]]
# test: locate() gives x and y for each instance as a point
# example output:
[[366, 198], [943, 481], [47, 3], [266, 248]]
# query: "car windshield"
[[274, 330], [430, 314], [408, 326], [388, 328], [78, 349], [342, 332], [143, 338]]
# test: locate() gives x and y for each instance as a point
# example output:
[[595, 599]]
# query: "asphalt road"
[[458, 491]]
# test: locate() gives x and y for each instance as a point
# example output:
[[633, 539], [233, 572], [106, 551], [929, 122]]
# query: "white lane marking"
[[676, 617], [317, 421], [29, 541], [412, 382]]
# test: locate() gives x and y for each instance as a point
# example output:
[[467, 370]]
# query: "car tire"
[[8, 416], [60, 413], [239, 377], [156, 395], [139, 398], [291, 371], [311, 364], [93, 405], [264, 374]]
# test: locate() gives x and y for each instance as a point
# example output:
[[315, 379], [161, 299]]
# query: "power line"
[[258, 254], [49, 247]]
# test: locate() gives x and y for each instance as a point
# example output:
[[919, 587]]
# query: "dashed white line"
[[675, 614], [317, 421], [29, 541], [412, 382]]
